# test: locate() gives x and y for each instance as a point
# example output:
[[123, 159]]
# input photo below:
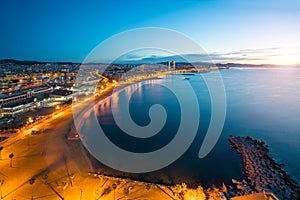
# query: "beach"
[[62, 168]]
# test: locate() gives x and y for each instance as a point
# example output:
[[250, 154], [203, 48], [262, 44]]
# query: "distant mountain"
[[26, 62], [253, 65], [197, 59], [153, 60], [20, 62], [187, 58]]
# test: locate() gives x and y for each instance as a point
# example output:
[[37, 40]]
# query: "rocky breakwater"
[[263, 173]]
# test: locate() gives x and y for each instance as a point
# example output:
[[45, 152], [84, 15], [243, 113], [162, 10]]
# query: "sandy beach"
[[61, 168]]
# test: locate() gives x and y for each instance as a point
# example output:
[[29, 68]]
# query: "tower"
[[173, 64], [169, 65]]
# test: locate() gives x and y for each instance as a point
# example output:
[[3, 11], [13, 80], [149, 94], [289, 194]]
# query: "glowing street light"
[[30, 120]]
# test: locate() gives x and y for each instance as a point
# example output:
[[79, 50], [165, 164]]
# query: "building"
[[16, 108], [169, 65], [173, 64], [26, 94], [61, 95]]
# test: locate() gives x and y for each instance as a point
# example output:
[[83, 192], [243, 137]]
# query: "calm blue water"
[[262, 103]]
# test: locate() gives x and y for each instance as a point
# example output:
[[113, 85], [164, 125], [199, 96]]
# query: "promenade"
[[59, 168]]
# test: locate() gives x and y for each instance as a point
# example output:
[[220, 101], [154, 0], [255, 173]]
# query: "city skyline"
[[256, 32]]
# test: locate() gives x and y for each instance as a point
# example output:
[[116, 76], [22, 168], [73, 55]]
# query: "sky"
[[256, 31]]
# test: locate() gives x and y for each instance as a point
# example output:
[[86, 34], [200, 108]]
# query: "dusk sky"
[[256, 31]]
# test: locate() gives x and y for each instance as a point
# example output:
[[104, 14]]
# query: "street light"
[[30, 120]]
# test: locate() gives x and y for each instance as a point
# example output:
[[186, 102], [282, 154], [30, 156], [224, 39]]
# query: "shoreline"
[[71, 154], [100, 170], [262, 170], [97, 165]]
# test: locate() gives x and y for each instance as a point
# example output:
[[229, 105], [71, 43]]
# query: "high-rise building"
[[168, 65], [173, 64]]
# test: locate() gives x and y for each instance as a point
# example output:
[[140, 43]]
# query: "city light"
[[30, 120]]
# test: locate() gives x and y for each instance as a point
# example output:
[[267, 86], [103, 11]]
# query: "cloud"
[[248, 56]]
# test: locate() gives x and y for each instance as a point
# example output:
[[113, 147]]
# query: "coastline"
[[53, 160], [173, 190], [99, 168], [96, 163], [94, 167]]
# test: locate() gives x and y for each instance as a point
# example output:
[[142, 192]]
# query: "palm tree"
[[72, 175], [96, 193], [1, 183], [45, 177], [114, 186], [31, 182], [81, 193], [126, 191], [148, 186], [64, 186], [1, 148], [11, 157]]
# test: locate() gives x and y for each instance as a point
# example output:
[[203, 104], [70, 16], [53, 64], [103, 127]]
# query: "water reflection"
[[263, 103]]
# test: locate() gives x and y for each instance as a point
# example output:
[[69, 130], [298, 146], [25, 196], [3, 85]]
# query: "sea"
[[263, 103]]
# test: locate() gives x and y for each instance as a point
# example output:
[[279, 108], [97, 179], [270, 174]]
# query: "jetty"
[[263, 173]]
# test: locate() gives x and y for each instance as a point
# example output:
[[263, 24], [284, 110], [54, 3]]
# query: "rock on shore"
[[263, 173]]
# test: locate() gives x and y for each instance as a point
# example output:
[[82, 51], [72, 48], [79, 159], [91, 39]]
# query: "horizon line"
[[132, 62]]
